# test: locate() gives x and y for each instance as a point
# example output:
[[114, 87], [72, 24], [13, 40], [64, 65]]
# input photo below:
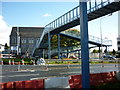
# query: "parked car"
[[109, 57], [41, 61], [73, 57]]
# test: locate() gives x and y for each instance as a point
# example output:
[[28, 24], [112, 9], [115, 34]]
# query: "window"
[[118, 42], [37, 40], [13, 40], [118, 49], [31, 41], [23, 41]]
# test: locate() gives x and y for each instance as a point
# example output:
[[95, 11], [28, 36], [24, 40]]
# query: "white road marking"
[[38, 78], [21, 75]]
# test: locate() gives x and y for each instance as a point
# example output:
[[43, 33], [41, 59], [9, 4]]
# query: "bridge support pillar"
[[106, 50], [84, 44], [58, 46], [99, 53], [43, 53], [49, 46], [79, 54]]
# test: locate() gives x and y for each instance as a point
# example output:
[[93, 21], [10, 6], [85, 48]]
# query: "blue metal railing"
[[75, 14], [91, 38], [72, 15]]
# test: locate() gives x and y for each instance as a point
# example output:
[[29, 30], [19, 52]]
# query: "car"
[[109, 57], [73, 57], [41, 61]]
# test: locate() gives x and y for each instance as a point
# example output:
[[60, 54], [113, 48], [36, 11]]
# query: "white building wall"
[[1, 48], [119, 23], [118, 39]]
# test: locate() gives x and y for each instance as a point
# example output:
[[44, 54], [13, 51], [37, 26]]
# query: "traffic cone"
[[13, 62], [22, 62], [9, 62], [2, 63], [33, 62], [18, 63], [68, 65]]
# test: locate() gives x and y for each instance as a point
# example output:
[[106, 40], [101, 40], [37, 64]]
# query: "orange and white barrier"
[[72, 81], [57, 82], [29, 84]]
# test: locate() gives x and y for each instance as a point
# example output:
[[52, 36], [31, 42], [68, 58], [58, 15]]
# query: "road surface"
[[7, 76]]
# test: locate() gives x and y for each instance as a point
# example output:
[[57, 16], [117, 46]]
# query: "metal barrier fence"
[[48, 66], [22, 67]]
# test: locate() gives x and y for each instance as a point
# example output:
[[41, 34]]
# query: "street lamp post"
[[101, 32]]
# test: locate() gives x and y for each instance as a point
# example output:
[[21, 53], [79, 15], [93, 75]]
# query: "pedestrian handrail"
[[72, 15], [91, 38]]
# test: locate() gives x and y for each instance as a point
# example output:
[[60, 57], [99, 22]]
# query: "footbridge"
[[72, 18]]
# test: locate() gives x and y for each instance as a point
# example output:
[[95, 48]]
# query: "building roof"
[[27, 31]]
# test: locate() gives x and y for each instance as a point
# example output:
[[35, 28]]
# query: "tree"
[[64, 41], [113, 52], [6, 47], [95, 51], [105, 51]]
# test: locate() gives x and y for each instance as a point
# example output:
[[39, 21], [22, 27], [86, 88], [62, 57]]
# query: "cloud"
[[4, 31], [47, 15]]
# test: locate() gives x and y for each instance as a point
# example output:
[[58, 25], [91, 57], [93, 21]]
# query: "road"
[[7, 76]]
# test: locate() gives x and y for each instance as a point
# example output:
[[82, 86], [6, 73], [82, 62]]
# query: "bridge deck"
[[72, 17]]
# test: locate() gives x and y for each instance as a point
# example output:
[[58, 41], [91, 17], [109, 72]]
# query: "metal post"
[[49, 46], [99, 53], [66, 17], [79, 54], [77, 12], [43, 53], [101, 3], [106, 53], [69, 16], [95, 4], [61, 20], [56, 22], [73, 14], [90, 5], [84, 45], [58, 46], [101, 36]]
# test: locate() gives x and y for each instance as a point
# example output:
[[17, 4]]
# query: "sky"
[[39, 14]]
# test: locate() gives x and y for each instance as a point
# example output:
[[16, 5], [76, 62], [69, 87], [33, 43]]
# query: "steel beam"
[[84, 45], [49, 46], [58, 46]]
